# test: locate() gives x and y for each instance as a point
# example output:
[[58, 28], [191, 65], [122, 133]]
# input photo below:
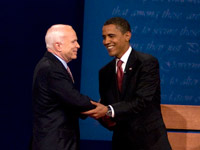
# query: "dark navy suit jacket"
[[56, 107], [139, 123]]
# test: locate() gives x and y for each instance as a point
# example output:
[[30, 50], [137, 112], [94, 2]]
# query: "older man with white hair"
[[56, 103]]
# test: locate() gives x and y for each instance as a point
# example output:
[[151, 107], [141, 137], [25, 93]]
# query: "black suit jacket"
[[56, 107], [137, 109]]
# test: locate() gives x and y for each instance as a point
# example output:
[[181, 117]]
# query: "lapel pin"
[[130, 69]]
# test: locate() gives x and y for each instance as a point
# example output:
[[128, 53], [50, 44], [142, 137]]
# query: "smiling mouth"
[[110, 47]]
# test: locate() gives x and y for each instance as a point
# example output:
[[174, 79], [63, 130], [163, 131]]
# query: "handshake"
[[99, 113]]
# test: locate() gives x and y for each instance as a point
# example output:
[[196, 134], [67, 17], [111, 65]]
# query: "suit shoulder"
[[107, 67], [144, 57], [44, 64]]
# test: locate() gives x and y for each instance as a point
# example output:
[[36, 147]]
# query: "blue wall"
[[167, 29]]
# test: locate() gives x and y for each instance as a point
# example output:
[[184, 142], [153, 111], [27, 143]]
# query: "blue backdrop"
[[167, 29]]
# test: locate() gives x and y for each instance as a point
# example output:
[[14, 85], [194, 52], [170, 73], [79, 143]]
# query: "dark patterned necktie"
[[70, 73], [120, 74]]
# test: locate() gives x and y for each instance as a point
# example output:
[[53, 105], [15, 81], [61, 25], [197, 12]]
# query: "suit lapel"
[[58, 64], [113, 81], [130, 69]]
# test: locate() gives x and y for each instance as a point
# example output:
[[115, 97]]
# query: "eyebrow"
[[109, 34]]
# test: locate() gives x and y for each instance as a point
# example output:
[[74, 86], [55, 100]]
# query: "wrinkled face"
[[115, 41], [69, 46]]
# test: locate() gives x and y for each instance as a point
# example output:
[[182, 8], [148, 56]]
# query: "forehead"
[[70, 34], [110, 29]]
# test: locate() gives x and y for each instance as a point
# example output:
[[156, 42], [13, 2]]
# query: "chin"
[[111, 54], [74, 57]]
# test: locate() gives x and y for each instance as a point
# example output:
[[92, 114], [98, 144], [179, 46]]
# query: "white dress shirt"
[[124, 58]]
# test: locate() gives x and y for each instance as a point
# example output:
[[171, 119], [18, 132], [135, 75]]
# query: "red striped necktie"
[[120, 74]]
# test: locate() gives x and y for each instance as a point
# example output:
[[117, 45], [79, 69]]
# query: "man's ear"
[[57, 46], [128, 35]]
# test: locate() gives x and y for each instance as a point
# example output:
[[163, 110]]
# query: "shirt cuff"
[[113, 112]]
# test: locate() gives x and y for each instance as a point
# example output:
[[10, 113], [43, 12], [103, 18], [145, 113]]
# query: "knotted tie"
[[70, 73], [120, 74]]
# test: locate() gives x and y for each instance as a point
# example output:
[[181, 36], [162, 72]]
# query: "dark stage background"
[[22, 30]]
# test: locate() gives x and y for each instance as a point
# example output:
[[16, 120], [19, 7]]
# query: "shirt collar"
[[125, 57], [61, 60]]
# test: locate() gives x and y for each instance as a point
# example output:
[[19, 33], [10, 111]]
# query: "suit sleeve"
[[145, 93], [62, 88]]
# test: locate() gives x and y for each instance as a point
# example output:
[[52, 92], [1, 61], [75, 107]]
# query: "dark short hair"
[[123, 24]]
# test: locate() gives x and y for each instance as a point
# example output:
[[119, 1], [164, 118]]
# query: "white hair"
[[55, 34]]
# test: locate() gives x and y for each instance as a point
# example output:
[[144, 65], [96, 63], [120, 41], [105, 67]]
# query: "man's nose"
[[77, 45], [106, 41]]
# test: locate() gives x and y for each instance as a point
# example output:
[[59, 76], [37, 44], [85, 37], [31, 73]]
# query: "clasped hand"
[[98, 112]]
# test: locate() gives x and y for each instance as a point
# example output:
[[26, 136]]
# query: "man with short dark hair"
[[129, 87]]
